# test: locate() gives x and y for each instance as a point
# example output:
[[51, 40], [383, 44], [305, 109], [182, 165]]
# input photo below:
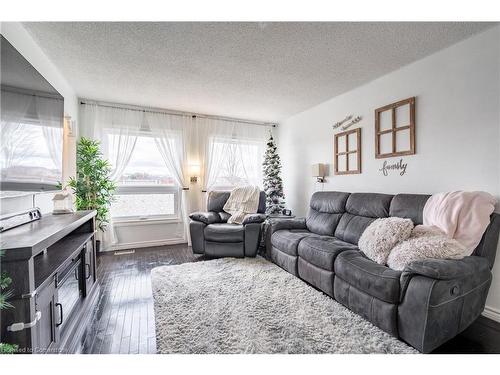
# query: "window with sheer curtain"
[[146, 188], [238, 161], [31, 141], [231, 153], [150, 152]]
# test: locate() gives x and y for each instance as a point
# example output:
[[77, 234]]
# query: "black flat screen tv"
[[31, 133]]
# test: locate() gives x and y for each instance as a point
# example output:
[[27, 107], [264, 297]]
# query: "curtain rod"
[[27, 92], [167, 112]]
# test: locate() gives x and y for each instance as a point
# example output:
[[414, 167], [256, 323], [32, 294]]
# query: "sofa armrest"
[[444, 269], [197, 233], [447, 269], [441, 298], [281, 224], [252, 238], [254, 219], [205, 217]]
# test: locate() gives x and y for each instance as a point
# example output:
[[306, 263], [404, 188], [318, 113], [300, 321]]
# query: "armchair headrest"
[[217, 199]]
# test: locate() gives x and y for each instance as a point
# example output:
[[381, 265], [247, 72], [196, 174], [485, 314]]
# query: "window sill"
[[121, 222]]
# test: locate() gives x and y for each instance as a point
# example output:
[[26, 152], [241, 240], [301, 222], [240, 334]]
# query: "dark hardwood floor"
[[124, 316]]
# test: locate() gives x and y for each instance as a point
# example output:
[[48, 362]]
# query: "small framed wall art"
[[347, 152], [395, 129]]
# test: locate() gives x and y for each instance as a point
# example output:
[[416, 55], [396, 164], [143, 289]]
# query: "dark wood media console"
[[52, 263]]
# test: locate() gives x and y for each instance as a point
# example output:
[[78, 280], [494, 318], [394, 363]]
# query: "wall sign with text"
[[395, 167]]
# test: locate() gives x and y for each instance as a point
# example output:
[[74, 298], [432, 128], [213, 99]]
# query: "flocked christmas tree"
[[273, 185]]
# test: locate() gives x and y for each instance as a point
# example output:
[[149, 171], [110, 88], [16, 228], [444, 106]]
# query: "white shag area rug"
[[252, 306]]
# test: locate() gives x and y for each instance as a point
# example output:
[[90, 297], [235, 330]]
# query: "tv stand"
[[52, 264]]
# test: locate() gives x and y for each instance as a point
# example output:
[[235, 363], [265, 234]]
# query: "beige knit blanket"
[[242, 201]]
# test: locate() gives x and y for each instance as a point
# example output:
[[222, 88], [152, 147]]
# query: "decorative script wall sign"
[[398, 166], [353, 121]]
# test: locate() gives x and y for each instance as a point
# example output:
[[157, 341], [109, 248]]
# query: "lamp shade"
[[194, 169], [318, 170]]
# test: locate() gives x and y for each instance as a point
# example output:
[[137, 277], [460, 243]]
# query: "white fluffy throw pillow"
[[382, 235], [424, 243]]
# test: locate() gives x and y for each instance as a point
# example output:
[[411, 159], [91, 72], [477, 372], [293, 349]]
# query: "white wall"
[[24, 43], [457, 132], [136, 234]]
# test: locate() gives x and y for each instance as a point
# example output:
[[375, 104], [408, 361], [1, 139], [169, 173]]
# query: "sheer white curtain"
[[31, 136], [172, 137], [49, 116], [117, 130], [231, 148], [14, 108]]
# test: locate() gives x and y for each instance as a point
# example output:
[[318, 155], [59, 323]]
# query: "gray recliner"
[[426, 304], [213, 236]]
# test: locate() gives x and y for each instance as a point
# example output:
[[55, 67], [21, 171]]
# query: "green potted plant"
[[5, 281], [92, 186]]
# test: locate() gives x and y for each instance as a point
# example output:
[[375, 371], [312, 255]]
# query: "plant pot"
[[97, 246]]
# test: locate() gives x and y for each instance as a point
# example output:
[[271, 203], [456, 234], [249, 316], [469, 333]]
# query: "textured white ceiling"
[[261, 71]]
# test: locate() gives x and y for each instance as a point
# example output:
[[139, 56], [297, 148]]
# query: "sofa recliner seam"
[[373, 274], [461, 295], [427, 313], [324, 251], [365, 292]]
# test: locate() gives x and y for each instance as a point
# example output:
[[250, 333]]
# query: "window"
[[146, 189], [26, 157], [235, 162], [31, 140]]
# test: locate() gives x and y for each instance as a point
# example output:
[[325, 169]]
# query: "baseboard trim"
[[124, 246], [492, 313]]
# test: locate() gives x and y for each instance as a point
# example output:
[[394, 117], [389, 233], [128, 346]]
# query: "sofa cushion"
[[287, 240], [382, 235], [223, 232], [409, 206], [322, 223], [369, 204], [364, 274], [322, 251], [424, 244], [351, 227], [326, 209], [329, 201], [224, 216], [216, 200]]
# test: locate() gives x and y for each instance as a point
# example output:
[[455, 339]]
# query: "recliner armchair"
[[213, 236]]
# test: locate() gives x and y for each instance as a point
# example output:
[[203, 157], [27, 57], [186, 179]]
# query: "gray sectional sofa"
[[425, 305]]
